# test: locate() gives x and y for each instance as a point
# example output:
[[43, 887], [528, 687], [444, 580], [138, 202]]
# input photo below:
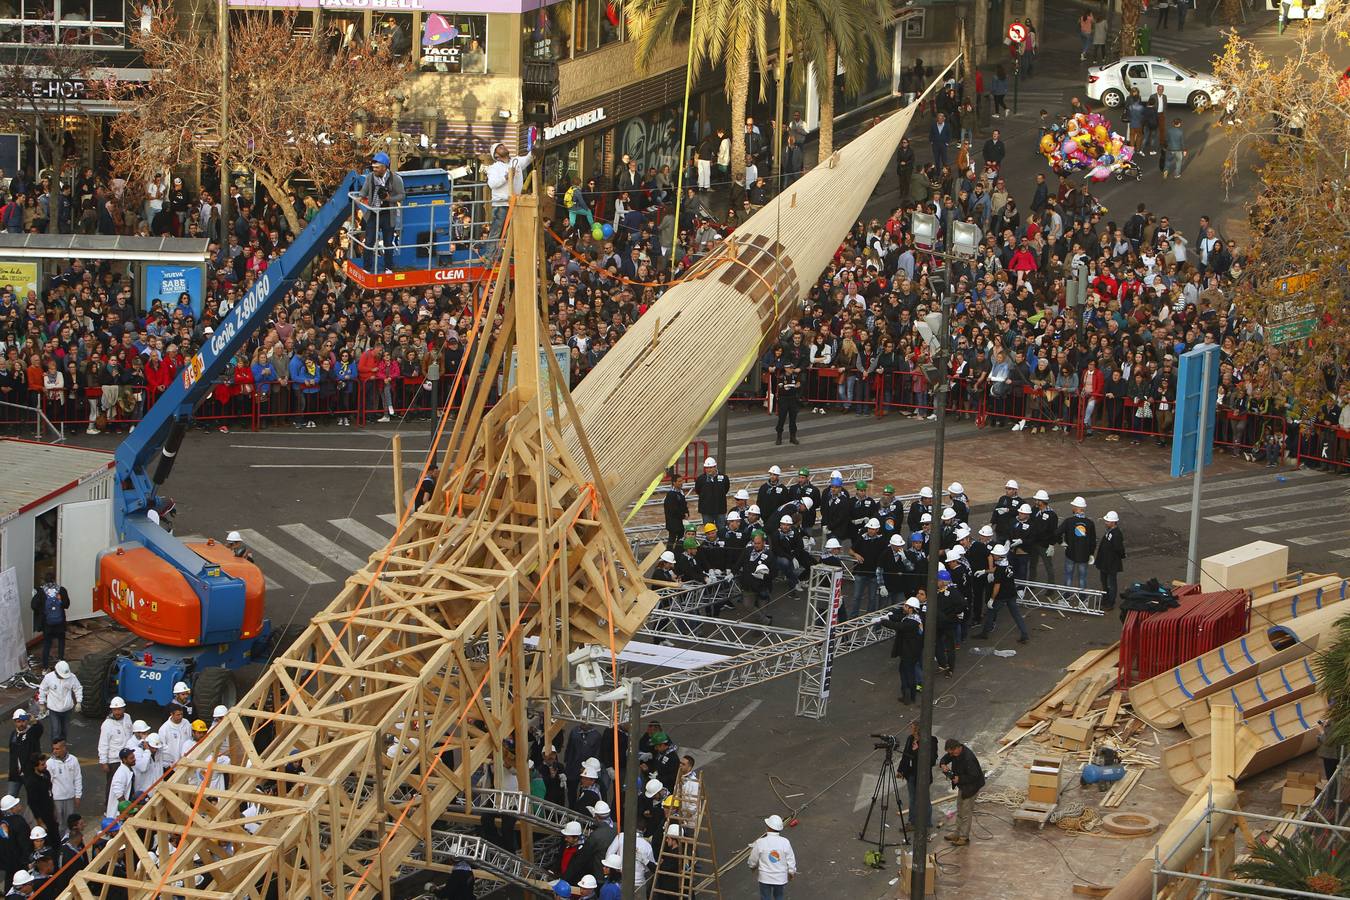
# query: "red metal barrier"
[[690, 464], [1324, 446], [1153, 643]]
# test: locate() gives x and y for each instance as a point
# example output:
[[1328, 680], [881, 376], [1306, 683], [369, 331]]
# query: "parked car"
[[1110, 84]]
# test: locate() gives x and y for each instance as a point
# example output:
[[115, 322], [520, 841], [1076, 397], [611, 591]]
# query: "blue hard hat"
[[562, 888], [836, 482], [381, 158], [916, 536], [944, 575]]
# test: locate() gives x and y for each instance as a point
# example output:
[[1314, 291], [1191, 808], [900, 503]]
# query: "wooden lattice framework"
[[449, 637]]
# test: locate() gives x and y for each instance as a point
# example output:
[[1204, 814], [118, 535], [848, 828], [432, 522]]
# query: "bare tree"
[[1288, 118], [293, 107], [37, 92]]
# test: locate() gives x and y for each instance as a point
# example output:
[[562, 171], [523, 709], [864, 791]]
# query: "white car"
[[1110, 84]]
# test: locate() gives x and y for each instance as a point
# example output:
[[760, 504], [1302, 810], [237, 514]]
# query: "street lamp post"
[[964, 241]]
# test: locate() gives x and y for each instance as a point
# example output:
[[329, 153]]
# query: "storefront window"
[[344, 29], [652, 139], [548, 32], [454, 44], [395, 31], [76, 23], [596, 23]]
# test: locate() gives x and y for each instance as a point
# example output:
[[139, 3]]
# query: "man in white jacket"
[[123, 783], [113, 735], [772, 858], [506, 178], [67, 781], [175, 730], [61, 693]]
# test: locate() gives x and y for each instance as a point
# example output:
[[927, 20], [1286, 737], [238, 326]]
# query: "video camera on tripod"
[[887, 791], [886, 742]]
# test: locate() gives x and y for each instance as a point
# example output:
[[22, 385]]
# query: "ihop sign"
[[572, 123]]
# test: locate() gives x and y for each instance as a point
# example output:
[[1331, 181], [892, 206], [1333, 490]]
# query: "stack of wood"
[[1083, 712]]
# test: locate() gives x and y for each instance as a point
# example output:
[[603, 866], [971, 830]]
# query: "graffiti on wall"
[[652, 139]]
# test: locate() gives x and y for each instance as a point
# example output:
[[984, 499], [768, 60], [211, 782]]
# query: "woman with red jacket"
[[158, 375], [1092, 386]]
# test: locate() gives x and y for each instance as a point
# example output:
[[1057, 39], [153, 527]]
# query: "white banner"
[[13, 651]]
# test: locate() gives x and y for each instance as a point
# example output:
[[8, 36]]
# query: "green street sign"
[[1285, 332]]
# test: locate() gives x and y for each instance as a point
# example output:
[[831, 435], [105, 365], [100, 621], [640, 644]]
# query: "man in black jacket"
[[676, 508], [25, 742], [908, 768], [951, 611], [837, 510], [1078, 534], [963, 769], [908, 646], [49, 605], [712, 488], [1110, 559]]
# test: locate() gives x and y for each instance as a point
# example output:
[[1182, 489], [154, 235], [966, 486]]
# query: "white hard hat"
[[587, 882], [742, 494], [182, 688], [1079, 502], [897, 541], [62, 668], [774, 470], [152, 515], [652, 788], [37, 833], [572, 829], [837, 474], [761, 569], [601, 808], [613, 861], [774, 822], [925, 519], [954, 554], [962, 531], [733, 516], [833, 544], [155, 741], [1011, 483], [955, 488], [233, 536], [1042, 495], [913, 603], [948, 513], [20, 878], [1000, 549], [140, 725], [117, 703], [674, 831], [1111, 516], [926, 493], [754, 508], [709, 463], [8, 802], [807, 503], [1024, 509], [667, 557], [785, 520], [987, 531], [220, 712], [873, 523], [590, 772]]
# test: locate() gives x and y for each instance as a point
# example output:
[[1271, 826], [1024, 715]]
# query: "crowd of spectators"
[[1024, 356]]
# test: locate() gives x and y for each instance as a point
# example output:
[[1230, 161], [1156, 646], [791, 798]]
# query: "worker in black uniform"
[[1005, 512], [916, 557], [711, 551], [864, 509], [894, 567], [868, 551], [1002, 592], [1078, 533], [1022, 544], [427, 487], [907, 647], [788, 397], [687, 564], [956, 496], [923, 505], [1110, 559], [675, 506], [755, 572], [788, 549], [805, 489], [908, 767], [773, 493], [947, 531], [49, 604], [838, 512], [235, 541], [951, 612], [712, 488], [735, 539], [833, 555], [891, 507], [977, 586], [1047, 536], [665, 569]]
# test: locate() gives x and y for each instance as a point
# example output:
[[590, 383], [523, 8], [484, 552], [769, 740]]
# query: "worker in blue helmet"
[[381, 201], [562, 889]]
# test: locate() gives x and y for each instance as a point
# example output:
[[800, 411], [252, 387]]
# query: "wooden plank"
[[1113, 709], [1083, 889], [1094, 687]]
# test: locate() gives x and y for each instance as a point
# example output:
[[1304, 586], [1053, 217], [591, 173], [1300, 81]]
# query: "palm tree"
[[1130, 13], [853, 28], [1308, 861], [732, 33], [1333, 681]]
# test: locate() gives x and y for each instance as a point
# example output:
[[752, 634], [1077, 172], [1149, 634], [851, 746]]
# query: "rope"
[[1076, 817]]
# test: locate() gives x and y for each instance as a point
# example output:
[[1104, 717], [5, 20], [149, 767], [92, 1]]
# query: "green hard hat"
[[660, 738], [890, 489], [758, 532], [690, 544], [862, 485], [804, 471], [690, 526]]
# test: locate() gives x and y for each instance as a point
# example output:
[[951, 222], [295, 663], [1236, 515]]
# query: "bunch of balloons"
[[1087, 144], [602, 231]]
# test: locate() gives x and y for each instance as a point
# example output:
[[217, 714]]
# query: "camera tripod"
[[888, 787]]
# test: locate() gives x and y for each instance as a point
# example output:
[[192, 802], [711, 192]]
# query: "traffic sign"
[[1285, 332], [1193, 425], [1017, 32]]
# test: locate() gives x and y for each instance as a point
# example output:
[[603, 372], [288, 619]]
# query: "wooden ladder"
[[688, 869]]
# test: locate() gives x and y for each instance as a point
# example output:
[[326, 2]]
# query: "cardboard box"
[[1260, 562], [907, 867], [1070, 734], [1046, 779], [1300, 789]]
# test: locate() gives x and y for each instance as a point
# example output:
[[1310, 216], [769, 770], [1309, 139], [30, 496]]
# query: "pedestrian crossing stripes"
[[306, 535], [275, 553], [1245, 498], [1184, 490], [363, 533]]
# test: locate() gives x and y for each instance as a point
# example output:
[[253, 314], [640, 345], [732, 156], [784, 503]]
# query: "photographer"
[[909, 768], [963, 770], [381, 197]]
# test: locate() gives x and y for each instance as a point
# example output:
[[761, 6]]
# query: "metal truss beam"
[[1065, 599], [710, 631], [527, 807]]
